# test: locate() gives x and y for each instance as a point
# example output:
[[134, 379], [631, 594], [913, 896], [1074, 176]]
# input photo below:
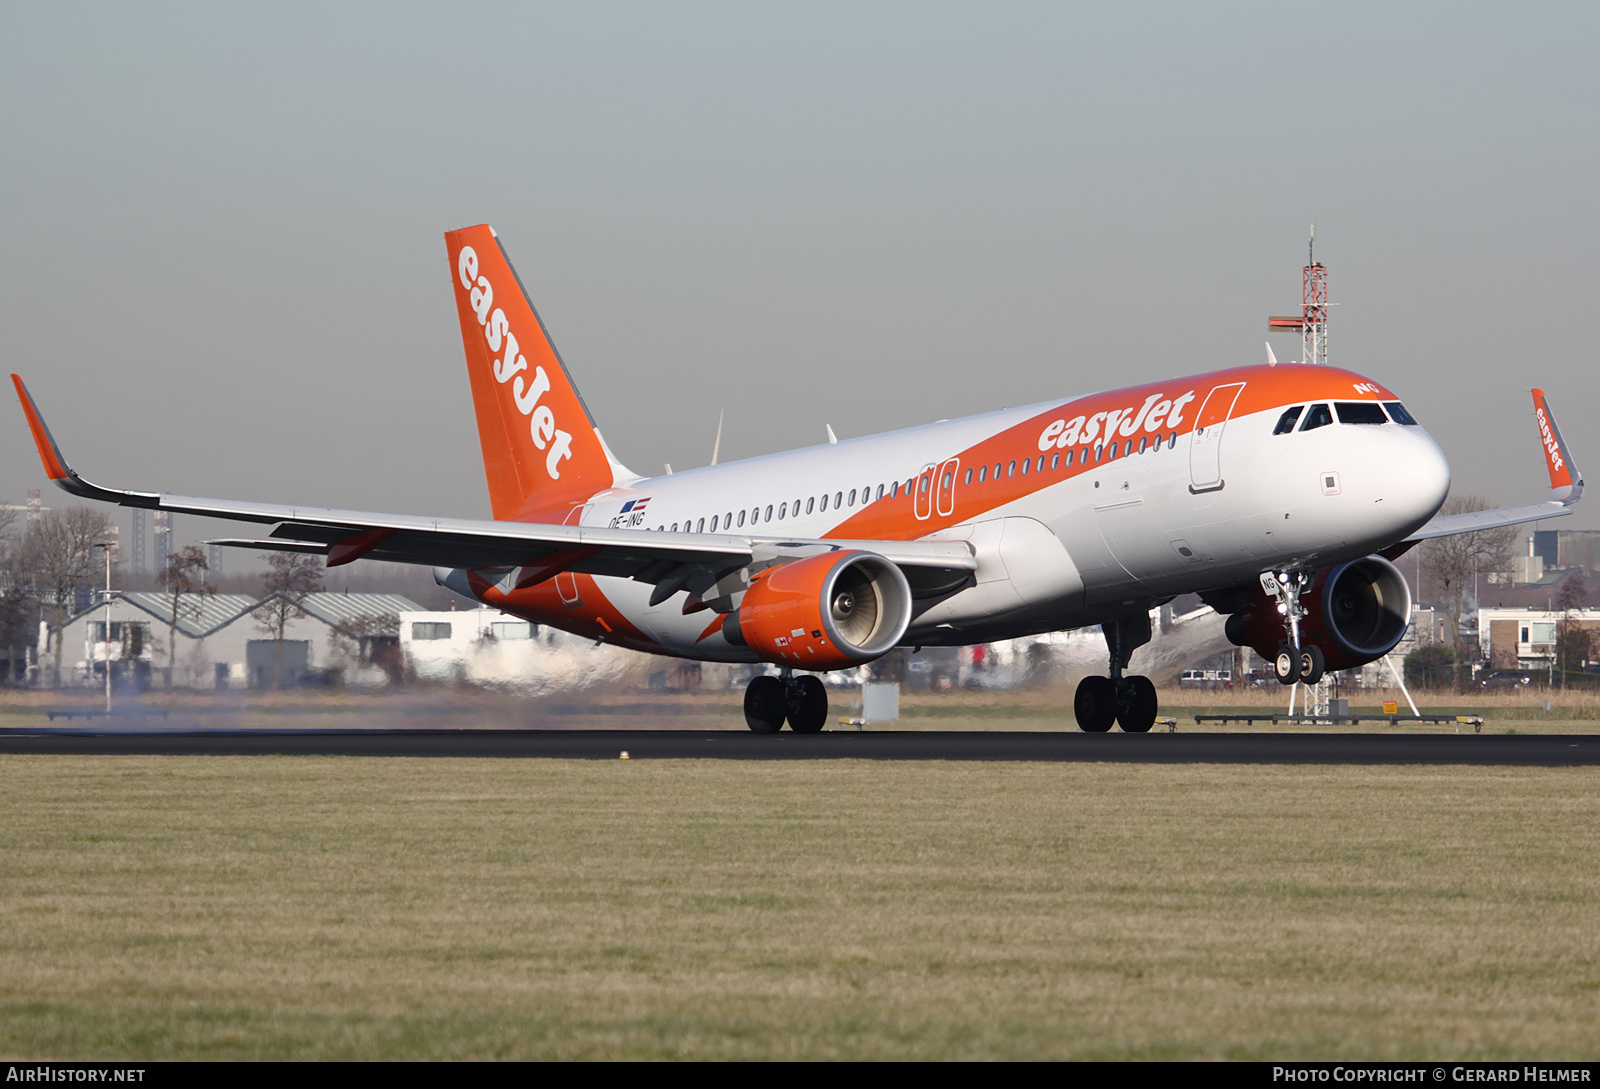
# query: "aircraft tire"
[[1095, 704], [1286, 666], [807, 705], [765, 705], [1140, 704], [1311, 664]]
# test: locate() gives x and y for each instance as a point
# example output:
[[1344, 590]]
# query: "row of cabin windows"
[[1350, 412], [842, 499], [1102, 452], [814, 505]]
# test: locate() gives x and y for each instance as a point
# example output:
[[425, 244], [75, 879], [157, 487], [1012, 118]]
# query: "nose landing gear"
[[1295, 661], [770, 701], [1129, 701]]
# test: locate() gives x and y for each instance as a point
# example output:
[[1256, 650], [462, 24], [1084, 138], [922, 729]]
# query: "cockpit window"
[[1286, 422], [1317, 416], [1398, 413], [1361, 412]]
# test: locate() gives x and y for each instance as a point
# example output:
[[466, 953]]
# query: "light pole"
[[106, 653]]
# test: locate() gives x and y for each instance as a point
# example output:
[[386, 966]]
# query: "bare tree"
[[1454, 562], [1572, 641], [19, 606], [290, 578], [371, 640], [59, 554], [184, 575]]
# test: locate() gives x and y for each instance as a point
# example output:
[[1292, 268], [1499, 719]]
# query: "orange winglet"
[[55, 466], [354, 547], [1556, 458]]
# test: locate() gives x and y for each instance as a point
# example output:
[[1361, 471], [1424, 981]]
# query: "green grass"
[[342, 908]]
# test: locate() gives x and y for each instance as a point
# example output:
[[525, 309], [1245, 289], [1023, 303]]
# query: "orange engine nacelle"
[[1356, 612], [830, 611]]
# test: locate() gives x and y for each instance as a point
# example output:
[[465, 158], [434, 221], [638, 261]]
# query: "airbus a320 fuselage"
[[1280, 493]]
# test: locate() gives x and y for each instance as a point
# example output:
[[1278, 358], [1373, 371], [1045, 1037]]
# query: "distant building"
[[488, 647], [220, 644], [1568, 548], [1526, 638]]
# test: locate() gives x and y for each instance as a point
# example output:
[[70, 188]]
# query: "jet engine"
[[830, 611], [1355, 612]]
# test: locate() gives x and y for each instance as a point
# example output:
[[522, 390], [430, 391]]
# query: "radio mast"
[[1312, 324]]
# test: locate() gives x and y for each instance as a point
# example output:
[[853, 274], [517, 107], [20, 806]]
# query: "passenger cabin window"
[[810, 504], [968, 478], [1398, 413], [1361, 412], [1317, 416], [1290, 417]]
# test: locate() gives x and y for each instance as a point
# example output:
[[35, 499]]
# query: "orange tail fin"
[[541, 450]]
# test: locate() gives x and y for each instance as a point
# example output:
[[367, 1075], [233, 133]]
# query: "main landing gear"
[[1128, 701], [802, 701], [1295, 661]]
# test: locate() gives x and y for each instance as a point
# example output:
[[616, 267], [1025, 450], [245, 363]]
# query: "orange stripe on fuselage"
[[1265, 387]]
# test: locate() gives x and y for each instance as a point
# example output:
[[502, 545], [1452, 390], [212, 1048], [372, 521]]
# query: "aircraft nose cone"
[[1415, 486]]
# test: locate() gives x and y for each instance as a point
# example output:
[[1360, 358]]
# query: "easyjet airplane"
[[1280, 494]]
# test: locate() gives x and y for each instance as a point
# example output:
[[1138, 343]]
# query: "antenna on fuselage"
[[716, 447], [1312, 324]]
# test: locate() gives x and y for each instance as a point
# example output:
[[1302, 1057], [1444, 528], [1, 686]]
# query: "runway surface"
[[1550, 750]]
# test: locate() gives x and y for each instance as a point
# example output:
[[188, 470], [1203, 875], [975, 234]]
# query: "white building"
[[486, 646]]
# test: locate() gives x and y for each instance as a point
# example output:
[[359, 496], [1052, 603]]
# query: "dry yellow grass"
[[343, 908]]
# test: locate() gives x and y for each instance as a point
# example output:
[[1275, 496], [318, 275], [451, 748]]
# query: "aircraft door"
[[1205, 445], [922, 499], [947, 487]]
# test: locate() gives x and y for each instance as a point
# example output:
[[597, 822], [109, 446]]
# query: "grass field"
[[344, 908]]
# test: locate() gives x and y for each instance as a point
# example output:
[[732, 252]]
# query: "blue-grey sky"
[[222, 270]]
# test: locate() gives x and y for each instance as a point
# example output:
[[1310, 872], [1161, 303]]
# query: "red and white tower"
[[1312, 324]]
